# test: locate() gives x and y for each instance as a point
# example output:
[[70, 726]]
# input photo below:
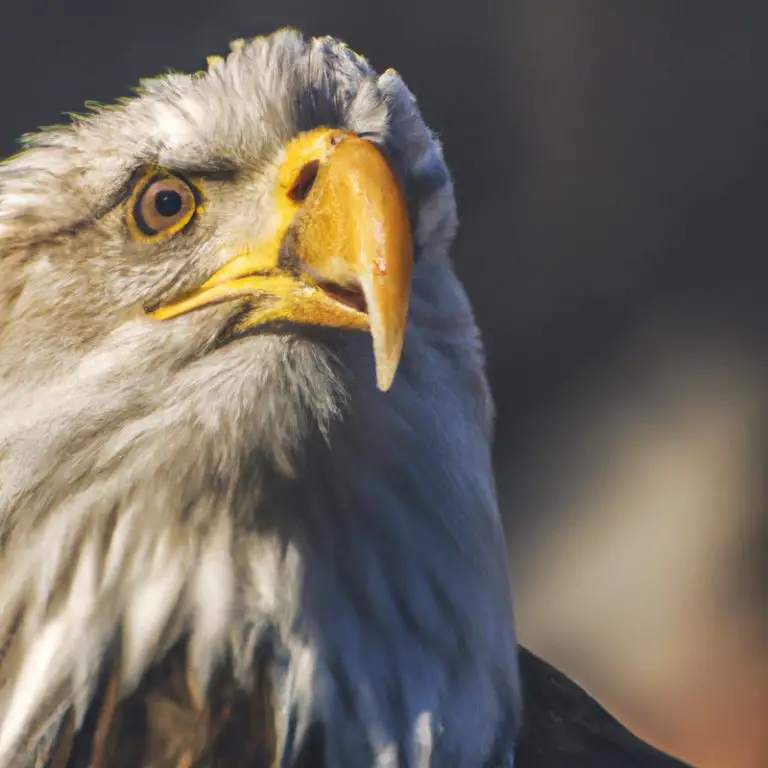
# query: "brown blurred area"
[[610, 162]]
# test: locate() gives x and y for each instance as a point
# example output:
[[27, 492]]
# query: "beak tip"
[[387, 358], [384, 377]]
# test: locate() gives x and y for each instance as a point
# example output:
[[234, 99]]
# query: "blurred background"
[[610, 163]]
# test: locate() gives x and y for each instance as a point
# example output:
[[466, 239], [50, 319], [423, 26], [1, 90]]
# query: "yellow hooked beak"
[[339, 254]]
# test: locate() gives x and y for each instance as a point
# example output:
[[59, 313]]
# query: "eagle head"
[[244, 422]]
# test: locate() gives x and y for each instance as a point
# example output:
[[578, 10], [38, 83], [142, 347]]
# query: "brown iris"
[[161, 205]]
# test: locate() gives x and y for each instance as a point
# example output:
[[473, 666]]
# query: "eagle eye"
[[161, 205]]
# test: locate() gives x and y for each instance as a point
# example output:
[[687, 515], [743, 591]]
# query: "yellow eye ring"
[[161, 205]]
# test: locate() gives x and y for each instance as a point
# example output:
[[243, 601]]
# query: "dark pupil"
[[168, 202]]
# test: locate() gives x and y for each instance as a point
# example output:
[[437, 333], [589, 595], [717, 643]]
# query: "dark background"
[[610, 161]]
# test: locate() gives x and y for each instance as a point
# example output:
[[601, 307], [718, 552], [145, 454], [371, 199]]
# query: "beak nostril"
[[304, 181]]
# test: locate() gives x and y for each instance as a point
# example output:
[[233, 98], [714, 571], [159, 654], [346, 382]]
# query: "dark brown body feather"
[[564, 727], [165, 723]]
